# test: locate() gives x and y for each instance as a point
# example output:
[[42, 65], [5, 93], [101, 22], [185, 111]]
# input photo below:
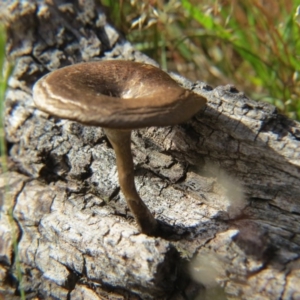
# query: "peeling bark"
[[228, 181]]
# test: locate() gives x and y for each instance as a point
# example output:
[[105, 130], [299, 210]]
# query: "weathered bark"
[[228, 181]]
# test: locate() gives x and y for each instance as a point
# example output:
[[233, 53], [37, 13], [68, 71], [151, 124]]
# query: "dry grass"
[[253, 44]]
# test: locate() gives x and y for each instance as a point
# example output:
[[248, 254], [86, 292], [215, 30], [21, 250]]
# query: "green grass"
[[3, 82], [5, 71], [252, 45]]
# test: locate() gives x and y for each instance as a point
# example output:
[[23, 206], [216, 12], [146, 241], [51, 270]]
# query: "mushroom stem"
[[121, 141]]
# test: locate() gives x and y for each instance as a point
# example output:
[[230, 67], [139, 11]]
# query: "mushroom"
[[118, 96]]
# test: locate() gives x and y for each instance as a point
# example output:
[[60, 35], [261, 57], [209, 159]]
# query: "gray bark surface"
[[228, 181]]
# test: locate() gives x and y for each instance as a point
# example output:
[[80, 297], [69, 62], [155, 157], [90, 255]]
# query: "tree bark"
[[228, 181]]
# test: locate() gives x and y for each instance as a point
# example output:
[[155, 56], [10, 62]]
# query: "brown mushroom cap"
[[115, 94]]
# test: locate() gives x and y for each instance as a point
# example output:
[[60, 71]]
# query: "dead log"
[[228, 181]]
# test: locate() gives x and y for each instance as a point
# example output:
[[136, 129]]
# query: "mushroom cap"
[[115, 94]]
